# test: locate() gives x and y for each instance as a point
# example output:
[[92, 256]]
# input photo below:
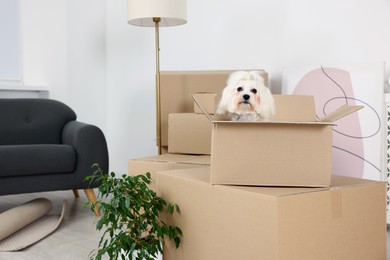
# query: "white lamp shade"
[[142, 12]]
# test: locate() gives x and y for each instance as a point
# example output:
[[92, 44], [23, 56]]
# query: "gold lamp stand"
[[156, 21], [157, 13]]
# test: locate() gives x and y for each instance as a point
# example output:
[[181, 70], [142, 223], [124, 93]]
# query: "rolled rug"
[[26, 224]]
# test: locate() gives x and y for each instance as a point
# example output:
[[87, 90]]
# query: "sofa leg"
[[91, 197], [76, 193]]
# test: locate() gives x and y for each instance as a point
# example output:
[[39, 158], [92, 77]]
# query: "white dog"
[[246, 98]]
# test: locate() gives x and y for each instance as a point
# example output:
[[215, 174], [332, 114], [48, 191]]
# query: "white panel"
[[388, 156], [10, 67]]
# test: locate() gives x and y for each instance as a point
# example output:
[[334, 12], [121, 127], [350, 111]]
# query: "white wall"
[[89, 57], [227, 34], [131, 88], [44, 45], [86, 64], [63, 49]]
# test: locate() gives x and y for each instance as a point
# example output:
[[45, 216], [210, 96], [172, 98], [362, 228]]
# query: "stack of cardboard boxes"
[[267, 191]]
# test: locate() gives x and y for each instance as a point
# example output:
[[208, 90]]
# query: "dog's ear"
[[226, 98], [267, 103], [223, 103]]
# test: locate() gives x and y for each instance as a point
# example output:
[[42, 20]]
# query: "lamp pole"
[[157, 13], [156, 21]]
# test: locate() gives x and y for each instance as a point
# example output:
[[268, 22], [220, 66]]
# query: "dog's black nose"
[[246, 97]]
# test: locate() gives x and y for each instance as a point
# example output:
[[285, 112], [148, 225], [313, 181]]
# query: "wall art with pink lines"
[[358, 139]]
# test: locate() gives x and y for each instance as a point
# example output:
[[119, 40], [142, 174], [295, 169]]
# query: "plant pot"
[[159, 256]]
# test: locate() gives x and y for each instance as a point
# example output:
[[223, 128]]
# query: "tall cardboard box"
[[177, 87], [344, 222], [293, 148]]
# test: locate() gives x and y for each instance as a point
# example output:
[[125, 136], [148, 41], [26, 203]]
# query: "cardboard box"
[[208, 101], [344, 222], [164, 162], [292, 149], [177, 87], [189, 133]]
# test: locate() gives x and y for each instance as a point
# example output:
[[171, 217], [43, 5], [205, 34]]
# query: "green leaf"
[[148, 175], [177, 208], [177, 242], [170, 209], [179, 231]]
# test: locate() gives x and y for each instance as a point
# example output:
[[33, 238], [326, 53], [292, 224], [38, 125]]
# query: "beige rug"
[[26, 224]]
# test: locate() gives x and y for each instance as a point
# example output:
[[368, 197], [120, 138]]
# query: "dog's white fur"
[[246, 98]]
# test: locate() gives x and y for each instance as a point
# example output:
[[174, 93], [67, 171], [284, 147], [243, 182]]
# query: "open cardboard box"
[[346, 221], [177, 87], [293, 148]]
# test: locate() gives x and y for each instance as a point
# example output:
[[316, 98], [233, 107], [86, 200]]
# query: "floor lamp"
[[157, 13]]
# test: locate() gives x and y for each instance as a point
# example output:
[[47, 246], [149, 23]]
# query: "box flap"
[[340, 113], [339, 181], [208, 100], [201, 160], [289, 108], [294, 108], [170, 158], [207, 114], [274, 122]]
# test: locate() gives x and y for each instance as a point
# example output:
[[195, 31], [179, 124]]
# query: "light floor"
[[75, 238]]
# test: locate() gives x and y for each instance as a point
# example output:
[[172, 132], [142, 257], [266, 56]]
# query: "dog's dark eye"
[[254, 91], [239, 89]]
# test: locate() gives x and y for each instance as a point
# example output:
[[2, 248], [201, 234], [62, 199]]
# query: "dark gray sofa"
[[44, 148]]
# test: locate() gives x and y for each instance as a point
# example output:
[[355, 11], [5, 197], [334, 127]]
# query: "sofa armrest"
[[90, 146]]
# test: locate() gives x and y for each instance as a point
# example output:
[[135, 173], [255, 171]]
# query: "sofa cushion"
[[33, 121], [16, 160]]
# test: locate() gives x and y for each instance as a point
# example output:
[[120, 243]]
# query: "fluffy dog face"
[[246, 98]]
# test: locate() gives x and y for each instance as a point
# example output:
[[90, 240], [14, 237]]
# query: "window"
[[10, 49]]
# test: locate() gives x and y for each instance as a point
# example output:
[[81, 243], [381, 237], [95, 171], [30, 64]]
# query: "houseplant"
[[130, 217]]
